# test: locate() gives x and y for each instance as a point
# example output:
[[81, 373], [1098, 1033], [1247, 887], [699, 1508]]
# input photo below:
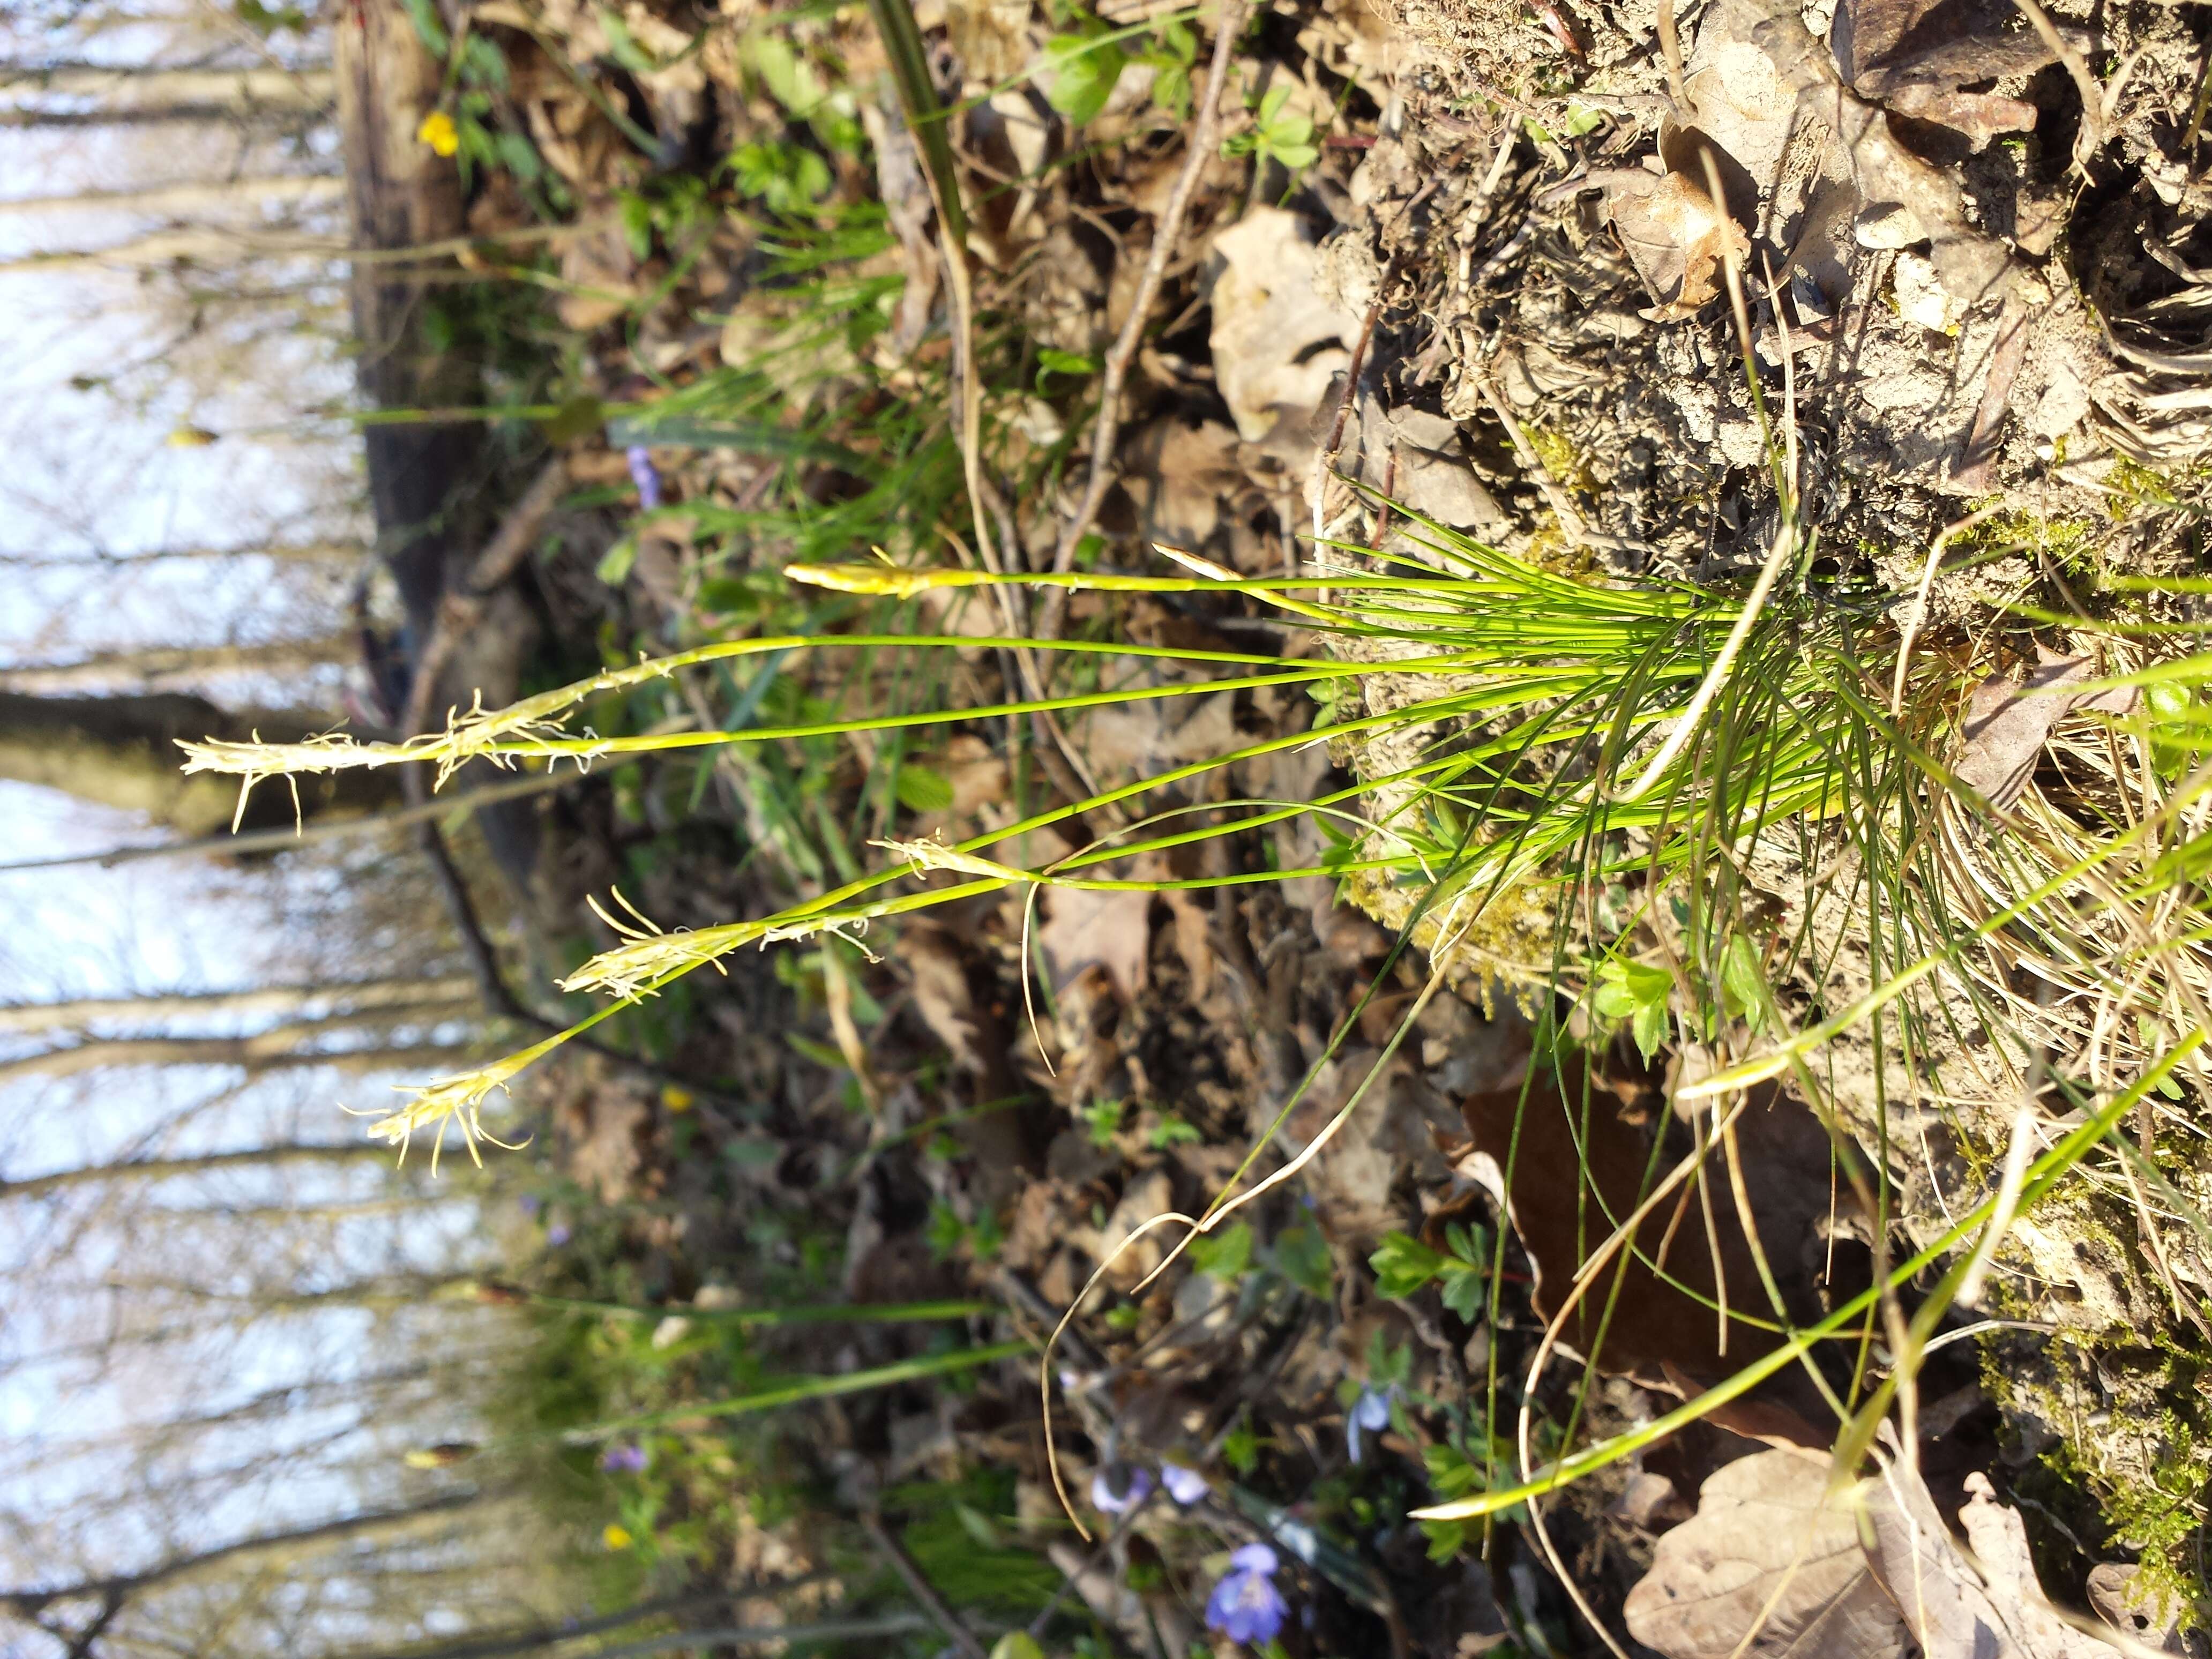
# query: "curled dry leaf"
[[2129, 1606], [1675, 237], [1767, 1547], [1775, 1562], [1975, 266], [1985, 1605], [1914, 56], [2007, 724]]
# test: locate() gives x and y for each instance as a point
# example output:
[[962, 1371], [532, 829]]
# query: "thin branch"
[[356, 996], [1203, 138], [279, 840], [163, 1168], [918, 1583]]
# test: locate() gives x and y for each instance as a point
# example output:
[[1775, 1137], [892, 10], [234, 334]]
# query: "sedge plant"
[[1567, 736]]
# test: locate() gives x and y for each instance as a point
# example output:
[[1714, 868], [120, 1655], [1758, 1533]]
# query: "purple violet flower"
[[644, 475], [531, 1203], [1370, 1411], [625, 1459], [1245, 1606], [1110, 1502], [558, 1234], [1187, 1486]]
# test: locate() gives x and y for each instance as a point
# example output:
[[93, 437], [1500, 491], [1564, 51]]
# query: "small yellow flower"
[[676, 1099], [617, 1537], [191, 437], [439, 132], [443, 1456]]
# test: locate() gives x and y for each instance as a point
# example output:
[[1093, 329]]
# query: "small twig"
[[2089, 138], [1670, 48], [1031, 1301], [1570, 522], [923, 1591], [1069, 1583], [1504, 251], [1325, 459], [1124, 351], [1979, 459], [1383, 513], [1918, 614]]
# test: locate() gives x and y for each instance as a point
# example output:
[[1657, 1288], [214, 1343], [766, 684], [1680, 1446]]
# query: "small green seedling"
[[1302, 1256], [1102, 1119], [1171, 61], [1226, 1255], [1172, 1131], [1639, 994], [1277, 133], [1403, 1265], [1081, 70]]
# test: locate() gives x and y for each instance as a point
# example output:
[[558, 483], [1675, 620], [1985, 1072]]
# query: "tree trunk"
[[275, 1050], [122, 752], [281, 552], [275, 1550], [357, 996], [158, 667], [185, 200], [403, 194], [427, 483], [166, 1169], [204, 92], [196, 245]]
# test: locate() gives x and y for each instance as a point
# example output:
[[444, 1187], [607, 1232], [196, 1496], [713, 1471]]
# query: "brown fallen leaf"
[[1975, 266], [1915, 56], [1675, 237], [2007, 724], [1775, 1562], [1183, 478], [1111, 930], [1277, 342], [1655, 1327], [2120, 1599], [1987, 1607], [598, 276], [1141, 740], [1767, 1548]]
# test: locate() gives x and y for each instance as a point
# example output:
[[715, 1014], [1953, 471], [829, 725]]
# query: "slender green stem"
[[835, 1313], [798, 1390]]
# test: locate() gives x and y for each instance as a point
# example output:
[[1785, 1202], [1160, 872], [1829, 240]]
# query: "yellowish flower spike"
[[927, 855], [457, 1101], [638, 968], [439, 133], [883, 580]]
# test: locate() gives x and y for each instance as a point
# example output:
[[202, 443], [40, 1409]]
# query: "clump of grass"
[[1747, 854]]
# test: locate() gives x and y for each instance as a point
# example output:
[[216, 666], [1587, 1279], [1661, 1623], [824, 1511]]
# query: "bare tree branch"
[[358, 994], [163, 1168]]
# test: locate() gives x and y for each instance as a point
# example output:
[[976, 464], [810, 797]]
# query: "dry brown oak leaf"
[[1777, 1565], [1915, 56]]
